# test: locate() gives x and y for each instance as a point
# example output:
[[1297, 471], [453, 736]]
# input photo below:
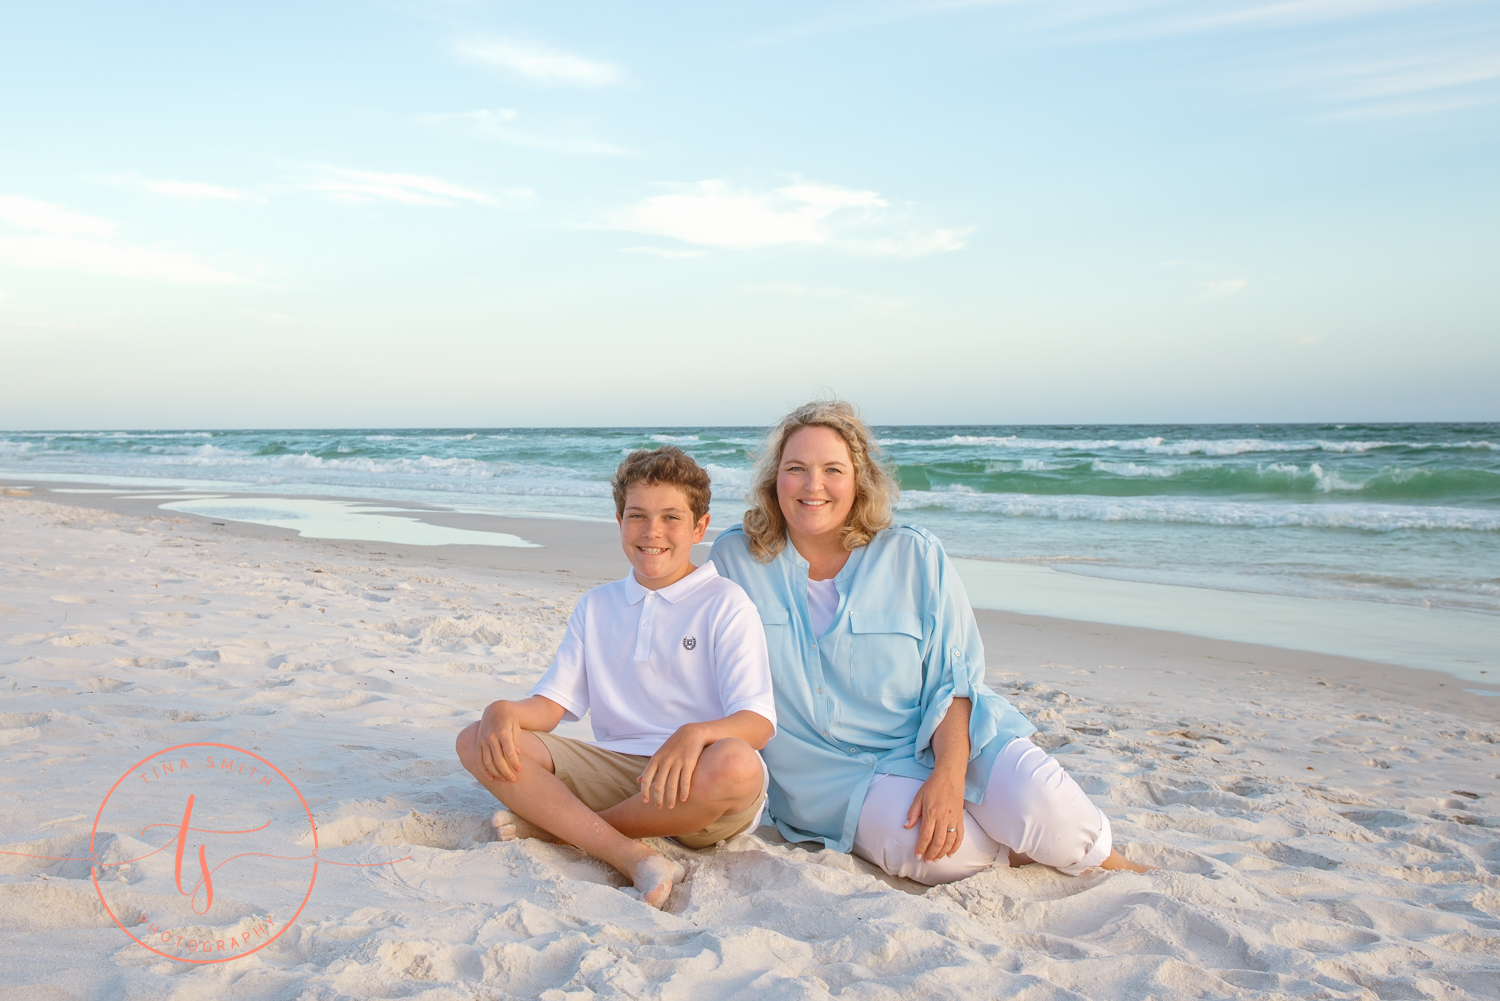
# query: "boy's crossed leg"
[[727, 782]]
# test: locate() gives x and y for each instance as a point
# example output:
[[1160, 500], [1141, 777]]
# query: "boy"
[[671, 662]]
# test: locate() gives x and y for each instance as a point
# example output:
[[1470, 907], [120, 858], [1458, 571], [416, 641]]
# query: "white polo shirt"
[[646, 662]]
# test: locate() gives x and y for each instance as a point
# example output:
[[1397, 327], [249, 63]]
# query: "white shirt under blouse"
[[822, 604]]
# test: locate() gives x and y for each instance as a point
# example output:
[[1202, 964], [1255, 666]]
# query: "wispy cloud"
[[1211, 284], [1225, 286], [496, 123], [715, 214], [195, 190], [410, 189], [54, 238], [1416, 84], [27, 213], [539, 64], [1130, 17], [1336, 56], [1288, 13], [670, 253], [864, 302], [186, 190]]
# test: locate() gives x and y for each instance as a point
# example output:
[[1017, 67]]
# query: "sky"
[[428, 214]]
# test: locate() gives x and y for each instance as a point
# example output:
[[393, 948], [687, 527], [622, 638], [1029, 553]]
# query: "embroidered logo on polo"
[[688, 642]]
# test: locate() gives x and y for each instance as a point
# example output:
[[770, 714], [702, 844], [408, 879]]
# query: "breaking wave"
[[1161, 510]]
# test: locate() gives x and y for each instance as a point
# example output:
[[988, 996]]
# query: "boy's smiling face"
[[658, 532]]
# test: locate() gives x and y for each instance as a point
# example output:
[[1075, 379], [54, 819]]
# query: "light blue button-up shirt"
[[865, 697]]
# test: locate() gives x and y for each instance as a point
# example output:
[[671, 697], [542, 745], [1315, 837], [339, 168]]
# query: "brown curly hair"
[[875, 488], [668, 464]]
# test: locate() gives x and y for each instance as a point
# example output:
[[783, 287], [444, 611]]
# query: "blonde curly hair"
[[875, 488]]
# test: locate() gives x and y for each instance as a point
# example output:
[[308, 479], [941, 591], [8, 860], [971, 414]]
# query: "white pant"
[[1031, 806]]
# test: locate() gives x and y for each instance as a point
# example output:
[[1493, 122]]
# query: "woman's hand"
[[668, 778], [939, 807], [939, 804]]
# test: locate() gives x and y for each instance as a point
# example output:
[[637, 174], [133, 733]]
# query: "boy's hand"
[[668, 778], [499, 741]]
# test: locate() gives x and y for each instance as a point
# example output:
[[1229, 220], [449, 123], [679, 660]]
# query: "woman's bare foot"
[[1118, 861], [654, 878], [513, 827]]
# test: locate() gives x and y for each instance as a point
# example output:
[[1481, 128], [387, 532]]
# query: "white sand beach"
[[1323, 827]]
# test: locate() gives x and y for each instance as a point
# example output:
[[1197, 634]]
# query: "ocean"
[[1399, 513]]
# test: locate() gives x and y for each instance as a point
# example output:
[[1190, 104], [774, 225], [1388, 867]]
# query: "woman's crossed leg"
[[1032, 809]]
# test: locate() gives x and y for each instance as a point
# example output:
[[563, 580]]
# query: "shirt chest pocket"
[[886, 654], [772, 615], [775, 619]]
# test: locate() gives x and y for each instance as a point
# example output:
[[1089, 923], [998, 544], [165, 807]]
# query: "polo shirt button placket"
[[643, 632]]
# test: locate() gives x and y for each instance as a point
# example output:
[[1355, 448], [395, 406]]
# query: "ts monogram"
[[688, 642]]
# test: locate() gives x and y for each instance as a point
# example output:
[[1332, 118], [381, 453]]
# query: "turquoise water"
[[1404, 513]]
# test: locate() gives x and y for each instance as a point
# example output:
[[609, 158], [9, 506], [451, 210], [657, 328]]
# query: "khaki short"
[[601, 778]]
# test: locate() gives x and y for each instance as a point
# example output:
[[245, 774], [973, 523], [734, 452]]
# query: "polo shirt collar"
[[672, 593]]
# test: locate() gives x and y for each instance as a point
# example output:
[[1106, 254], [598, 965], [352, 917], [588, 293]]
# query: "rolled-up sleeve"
[[953, 668]]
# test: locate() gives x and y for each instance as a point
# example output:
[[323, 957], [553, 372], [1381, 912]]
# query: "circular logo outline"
[[94, 870]]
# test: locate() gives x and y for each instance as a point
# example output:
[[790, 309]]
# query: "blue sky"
[[419, 214]]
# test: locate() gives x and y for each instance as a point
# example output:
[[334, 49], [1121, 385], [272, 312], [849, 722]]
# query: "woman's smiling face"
[[815, 483]]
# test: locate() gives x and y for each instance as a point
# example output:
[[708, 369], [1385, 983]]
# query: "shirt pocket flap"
[[773, 615], [885, 620]]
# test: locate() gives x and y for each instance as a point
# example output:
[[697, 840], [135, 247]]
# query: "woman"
[[889, 741]]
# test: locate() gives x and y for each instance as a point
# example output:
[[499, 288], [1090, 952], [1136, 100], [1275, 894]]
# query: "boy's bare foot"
[[1118, 861], [654, 878], [513, 827]]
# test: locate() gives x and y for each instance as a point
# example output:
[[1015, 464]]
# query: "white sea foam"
[[1329, 482], [1026, 465], [1133, 469], [728, 477], [211, 456], [1157, 445], [1367, 517], [122, 435], [361, 472]]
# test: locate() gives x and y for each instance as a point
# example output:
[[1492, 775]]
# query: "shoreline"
[[1464, 645], [1346, 632]]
